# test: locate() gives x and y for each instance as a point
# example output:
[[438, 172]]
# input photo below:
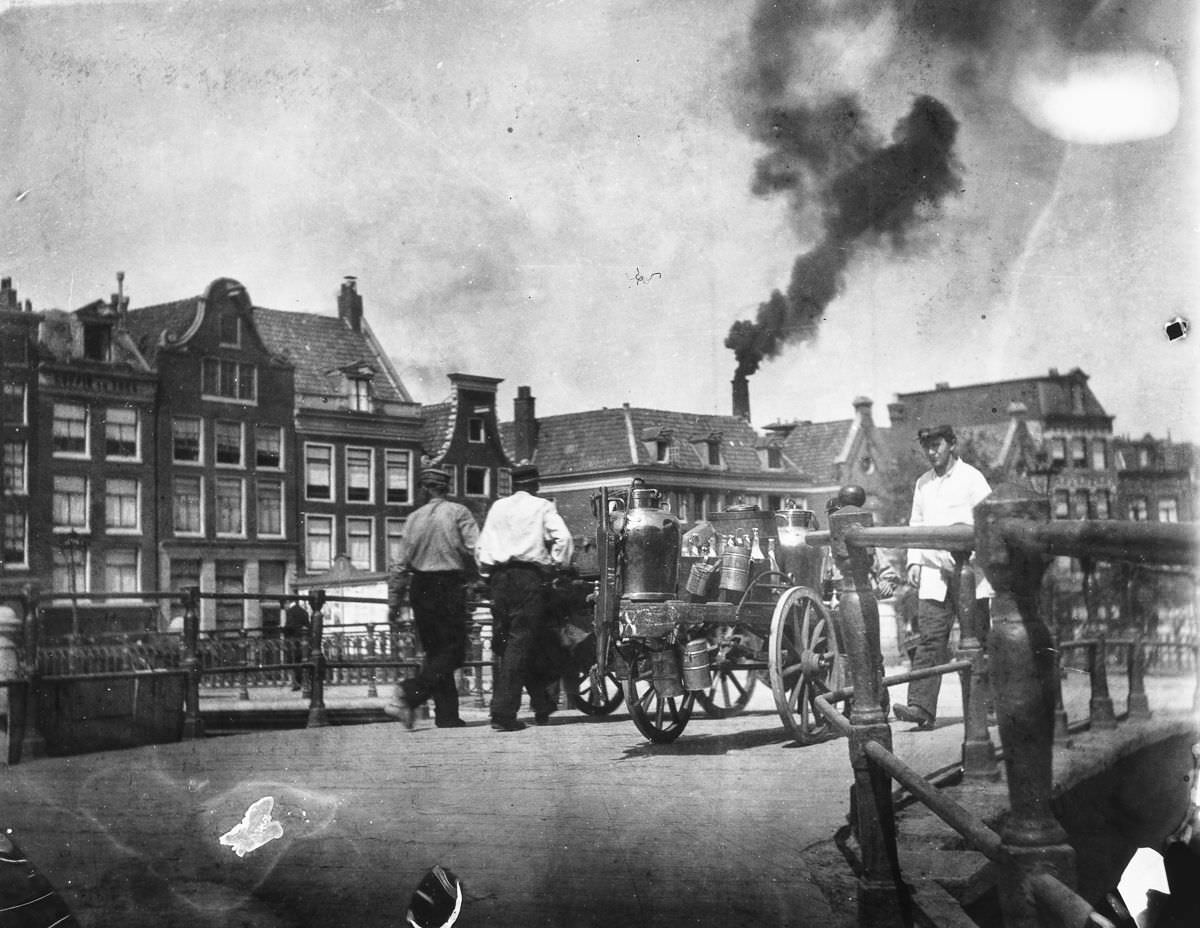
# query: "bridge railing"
[[1015, 665], [320, 655]]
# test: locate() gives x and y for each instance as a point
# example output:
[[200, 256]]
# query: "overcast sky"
[[562, 194]]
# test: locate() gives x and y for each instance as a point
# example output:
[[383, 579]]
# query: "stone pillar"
[[978, 753]]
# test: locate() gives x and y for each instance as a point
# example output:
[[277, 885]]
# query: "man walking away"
[[296, 624], [524, 541], [434, 564], [945, 494]]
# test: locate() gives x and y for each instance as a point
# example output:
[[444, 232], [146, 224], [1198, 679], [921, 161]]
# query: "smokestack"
[[741, 396], [525, 425], [350, 304]]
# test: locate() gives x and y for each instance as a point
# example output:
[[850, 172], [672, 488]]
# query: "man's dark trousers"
[[934, 621], [439, 605], [519, 609]]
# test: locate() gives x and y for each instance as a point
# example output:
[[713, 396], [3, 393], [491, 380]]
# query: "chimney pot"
[[942, 385], [1054, 372], [741, 397]]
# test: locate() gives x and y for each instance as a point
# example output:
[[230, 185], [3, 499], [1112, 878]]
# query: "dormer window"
[[360, 394], [231, 330], [774, 457], [658, 444], [97, 342], [708, 448]]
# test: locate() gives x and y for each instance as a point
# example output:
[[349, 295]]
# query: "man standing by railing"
[[944, 495], [434, 563], [524, 541]]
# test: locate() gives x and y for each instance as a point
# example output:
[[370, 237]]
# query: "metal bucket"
[[664, 670], [803, 563], [697, 674], [700, 580], [735, 569]]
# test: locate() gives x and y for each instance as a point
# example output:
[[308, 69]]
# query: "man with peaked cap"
[[435, 561], [946, 494], [523, 543]]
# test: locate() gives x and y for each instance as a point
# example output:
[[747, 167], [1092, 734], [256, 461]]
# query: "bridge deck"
[[577, 823]]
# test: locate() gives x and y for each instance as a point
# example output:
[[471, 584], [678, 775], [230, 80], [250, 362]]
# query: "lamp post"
[[73, 546]]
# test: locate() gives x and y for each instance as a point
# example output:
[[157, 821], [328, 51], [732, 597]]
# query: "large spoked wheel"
[[732, 685], [597, 695], [660, 718], [805, 662]]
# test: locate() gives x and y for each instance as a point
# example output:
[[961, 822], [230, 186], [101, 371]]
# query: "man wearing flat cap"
[[435, 561], [945, 494], [523, 543]]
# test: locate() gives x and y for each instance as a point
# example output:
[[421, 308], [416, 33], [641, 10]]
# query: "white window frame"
[[1168, 507], [23, 519], [137, 432], [397, 460], [241, 368], [241, 443], [278, 431], [468, 470], [22, 390], [137, 569], [187, 533], [1099, 454], [19, 469], [395, 535], [241, 485], [120, 528], [361, 522], [85, 526], [276, 486], [199, 461], [83, 576], [332, 496], [87, 423], [452, 472], [370, 453], [476, 430], [309, 521], [1139, 509], [360, 394], [662, 451], [1102, 500], [237, 330]]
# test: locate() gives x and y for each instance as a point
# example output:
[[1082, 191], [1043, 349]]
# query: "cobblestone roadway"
[[579, 823]]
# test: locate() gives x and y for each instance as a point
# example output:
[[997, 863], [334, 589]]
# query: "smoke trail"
[[880, 195]]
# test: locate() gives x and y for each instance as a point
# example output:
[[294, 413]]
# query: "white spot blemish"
[[255, 829]]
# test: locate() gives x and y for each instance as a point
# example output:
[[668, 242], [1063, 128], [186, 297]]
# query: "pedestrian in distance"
[[523, 544], [434, 565], [296, 625], [946, 494]]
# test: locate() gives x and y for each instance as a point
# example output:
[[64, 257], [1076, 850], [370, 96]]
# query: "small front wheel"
[[660, 718]]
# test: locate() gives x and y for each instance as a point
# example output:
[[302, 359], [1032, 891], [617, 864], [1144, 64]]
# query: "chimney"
[[8, 296], [525, 427], [942, 385], [862, 410], [741, 397], [350, 304], [897, 412]]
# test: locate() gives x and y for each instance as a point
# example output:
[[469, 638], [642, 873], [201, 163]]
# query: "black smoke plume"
[[824, 156]]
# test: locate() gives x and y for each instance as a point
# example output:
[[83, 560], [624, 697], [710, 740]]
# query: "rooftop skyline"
[[585, 197]]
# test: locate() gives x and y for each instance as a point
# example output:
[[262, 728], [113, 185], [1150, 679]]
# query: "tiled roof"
[[319, 346], [601, 439], [147, 324], [437, 427], [815, 446]]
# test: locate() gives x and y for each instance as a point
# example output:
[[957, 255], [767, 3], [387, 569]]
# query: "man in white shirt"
[[944, 495], [523, 542]]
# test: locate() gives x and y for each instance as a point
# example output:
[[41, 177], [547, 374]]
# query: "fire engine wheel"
[[597, 695], [805, 662], [660, 718], [730, 692]]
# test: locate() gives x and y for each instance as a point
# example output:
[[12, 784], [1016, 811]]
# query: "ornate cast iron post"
[[193, 725], [978, 753], [317, 717], [882, 900], [1100, 707], [1022, 671]]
